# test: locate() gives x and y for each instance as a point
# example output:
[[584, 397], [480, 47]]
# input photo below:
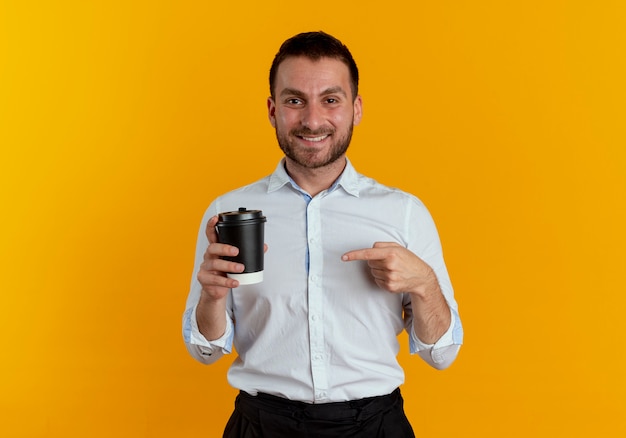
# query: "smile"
[[314, 139]]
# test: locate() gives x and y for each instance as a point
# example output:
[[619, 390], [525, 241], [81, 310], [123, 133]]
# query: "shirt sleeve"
[[423, 240], [198, 346], [442, 353]]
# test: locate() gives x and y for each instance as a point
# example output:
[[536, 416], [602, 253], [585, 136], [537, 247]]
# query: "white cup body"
[[247, 278]]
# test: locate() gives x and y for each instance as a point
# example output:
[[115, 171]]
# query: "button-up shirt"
[[318, 329]]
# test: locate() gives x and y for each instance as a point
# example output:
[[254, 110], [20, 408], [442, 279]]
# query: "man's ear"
[[271, 111], [358, 110]]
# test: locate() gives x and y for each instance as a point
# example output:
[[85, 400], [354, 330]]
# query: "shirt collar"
[[348, 180]]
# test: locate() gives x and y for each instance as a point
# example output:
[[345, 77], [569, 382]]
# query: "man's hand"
[[395, 268], [212, 274], [211, 310]]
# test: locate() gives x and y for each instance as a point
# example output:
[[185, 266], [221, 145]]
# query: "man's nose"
[[313, 116]]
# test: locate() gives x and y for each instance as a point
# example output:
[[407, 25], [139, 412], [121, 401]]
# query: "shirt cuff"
[[440, 354], [207, 348], [444, 340]]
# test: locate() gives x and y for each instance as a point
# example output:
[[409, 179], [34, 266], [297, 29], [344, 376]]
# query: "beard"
[[308, 157]]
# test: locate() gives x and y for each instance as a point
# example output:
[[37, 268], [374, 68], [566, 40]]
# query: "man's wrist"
[[428, 287]]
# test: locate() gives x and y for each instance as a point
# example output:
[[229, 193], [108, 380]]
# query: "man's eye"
[[331, 100], [294, 101]]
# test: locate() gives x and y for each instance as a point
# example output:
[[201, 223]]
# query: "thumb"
[[385, 244], [210, 232]]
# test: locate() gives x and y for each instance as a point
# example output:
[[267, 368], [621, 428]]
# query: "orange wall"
[[120, 121]]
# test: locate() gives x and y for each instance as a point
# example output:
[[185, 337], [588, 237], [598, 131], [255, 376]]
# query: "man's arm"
[[431, 313], [211, 309], [397, 270], [207, 328]]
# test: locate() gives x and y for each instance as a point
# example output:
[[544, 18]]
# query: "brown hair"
[[316, 45]]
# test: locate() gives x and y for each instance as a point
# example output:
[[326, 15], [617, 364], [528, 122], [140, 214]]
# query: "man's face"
[[313, 110]]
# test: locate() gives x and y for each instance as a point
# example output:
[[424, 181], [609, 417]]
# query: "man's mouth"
[[314, 139]]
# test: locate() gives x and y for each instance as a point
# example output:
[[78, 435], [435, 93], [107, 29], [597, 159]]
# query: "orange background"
[[120, 122]]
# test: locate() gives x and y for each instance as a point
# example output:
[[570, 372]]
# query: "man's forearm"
[[211, 317], [431, 313]]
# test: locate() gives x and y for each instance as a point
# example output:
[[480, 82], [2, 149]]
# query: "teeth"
[[315, 139]]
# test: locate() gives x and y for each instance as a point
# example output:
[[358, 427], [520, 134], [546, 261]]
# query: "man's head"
[[314, 103], [315, 46]]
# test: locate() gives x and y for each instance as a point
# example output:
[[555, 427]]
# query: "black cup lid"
[[240, 215]]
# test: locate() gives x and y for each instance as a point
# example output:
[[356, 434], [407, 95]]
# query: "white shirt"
[[318, 329]]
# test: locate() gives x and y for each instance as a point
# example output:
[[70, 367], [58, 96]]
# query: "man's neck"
[[314, 181]]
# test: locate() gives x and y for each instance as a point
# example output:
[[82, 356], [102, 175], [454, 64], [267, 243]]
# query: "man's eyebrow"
[[326, 92], [334, 90], [291, 92]]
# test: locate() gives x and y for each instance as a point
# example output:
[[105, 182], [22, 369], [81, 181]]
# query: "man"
[[350, 264]]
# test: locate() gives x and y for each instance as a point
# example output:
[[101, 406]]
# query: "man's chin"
[[312, 157], [312, 162]]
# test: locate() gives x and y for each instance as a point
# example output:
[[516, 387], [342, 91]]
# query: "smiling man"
[[351, 263], [313, 110]]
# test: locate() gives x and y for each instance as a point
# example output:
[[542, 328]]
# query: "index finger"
[[365, 254], [378, 251]]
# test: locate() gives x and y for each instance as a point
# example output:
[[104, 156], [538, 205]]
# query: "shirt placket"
[[315, 301]]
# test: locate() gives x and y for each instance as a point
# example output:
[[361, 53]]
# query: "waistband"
[[356, 409]]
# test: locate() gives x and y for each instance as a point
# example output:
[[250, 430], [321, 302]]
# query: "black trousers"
[[268, 416]]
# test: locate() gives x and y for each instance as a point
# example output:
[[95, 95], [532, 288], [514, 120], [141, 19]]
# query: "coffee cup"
[[244, 229]]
